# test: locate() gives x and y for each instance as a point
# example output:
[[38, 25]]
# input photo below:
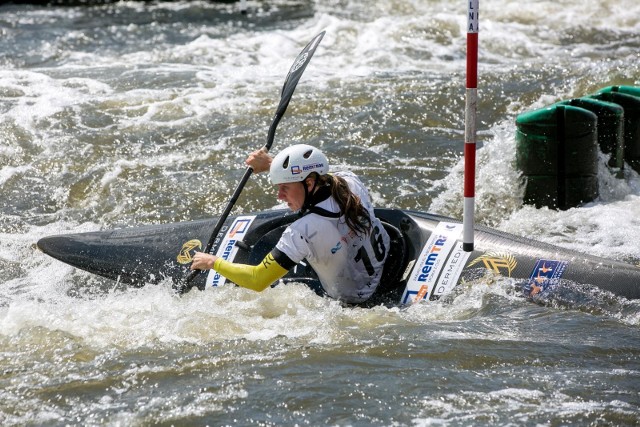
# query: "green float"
[[557, 146], [610, 127], [629, 99], [557, 152]]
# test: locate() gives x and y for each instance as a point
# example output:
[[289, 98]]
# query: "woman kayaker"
[[337, 233]]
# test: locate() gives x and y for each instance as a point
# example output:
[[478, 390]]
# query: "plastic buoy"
[[557, 152]]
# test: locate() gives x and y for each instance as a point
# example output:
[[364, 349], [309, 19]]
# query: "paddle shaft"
[[234, 198], [290, 83]]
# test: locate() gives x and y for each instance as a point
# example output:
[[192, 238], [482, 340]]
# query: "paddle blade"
[[296, 71]]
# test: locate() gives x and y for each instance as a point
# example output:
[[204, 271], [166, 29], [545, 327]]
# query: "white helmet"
[[295, 163]]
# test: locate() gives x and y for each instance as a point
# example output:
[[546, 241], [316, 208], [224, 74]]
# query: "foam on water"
[[606, 227], [220, 75], [132, 122], [50, 296], [351, 50], [102, 314]]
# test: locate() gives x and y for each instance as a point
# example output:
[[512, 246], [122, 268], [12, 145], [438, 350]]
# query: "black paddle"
[[289, 86]]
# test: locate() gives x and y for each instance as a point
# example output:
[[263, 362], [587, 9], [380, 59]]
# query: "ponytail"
[[356, 215]]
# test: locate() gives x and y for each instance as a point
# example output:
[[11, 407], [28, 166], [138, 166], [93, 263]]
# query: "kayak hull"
[[151, 254]]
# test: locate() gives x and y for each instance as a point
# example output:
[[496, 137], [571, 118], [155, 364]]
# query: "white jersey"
[[348, 265]]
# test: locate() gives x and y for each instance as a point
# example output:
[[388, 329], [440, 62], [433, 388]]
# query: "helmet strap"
[[308, 195], [307, 200]]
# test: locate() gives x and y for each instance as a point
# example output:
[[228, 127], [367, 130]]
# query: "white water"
[[132, 113]]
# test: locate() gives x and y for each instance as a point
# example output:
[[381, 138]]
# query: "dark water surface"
[[137, 113]]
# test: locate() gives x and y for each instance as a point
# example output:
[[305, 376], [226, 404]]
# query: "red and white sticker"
[[227, 249]]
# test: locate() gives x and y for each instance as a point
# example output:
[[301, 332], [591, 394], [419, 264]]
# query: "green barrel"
[[629, 99], [629, 90], [540, 191], [610, 127], [557, 152]]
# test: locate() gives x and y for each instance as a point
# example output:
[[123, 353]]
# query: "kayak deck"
[[153, 253]]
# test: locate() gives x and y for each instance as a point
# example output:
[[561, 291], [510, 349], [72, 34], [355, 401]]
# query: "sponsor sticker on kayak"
[[439, 265], [188, 249], [451, 271], [545, 273], [227, 248]]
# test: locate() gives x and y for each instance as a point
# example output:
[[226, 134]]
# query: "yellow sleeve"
[[254, 277]]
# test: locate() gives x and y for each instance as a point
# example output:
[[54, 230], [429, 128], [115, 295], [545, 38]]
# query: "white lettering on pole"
[[473, 18]]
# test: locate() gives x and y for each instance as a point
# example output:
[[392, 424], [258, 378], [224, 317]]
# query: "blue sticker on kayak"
[[544, 274], [227, 249]]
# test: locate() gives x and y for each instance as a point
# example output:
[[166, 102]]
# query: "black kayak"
[[426, 260]]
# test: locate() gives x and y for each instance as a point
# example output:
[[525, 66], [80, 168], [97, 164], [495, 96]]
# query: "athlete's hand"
[[259, 160], [202, 261]]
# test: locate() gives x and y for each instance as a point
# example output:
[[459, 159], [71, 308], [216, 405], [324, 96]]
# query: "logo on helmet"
[[312, 167], [297, 170]]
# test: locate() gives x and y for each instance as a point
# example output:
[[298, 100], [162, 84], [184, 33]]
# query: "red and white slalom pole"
[[471, 106]]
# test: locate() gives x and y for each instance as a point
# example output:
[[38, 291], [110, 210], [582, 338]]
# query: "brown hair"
[[356, 215]]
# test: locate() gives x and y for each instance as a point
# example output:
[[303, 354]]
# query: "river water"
[[138, 113]]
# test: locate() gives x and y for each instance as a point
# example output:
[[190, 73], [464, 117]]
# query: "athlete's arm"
[[255, 277]]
